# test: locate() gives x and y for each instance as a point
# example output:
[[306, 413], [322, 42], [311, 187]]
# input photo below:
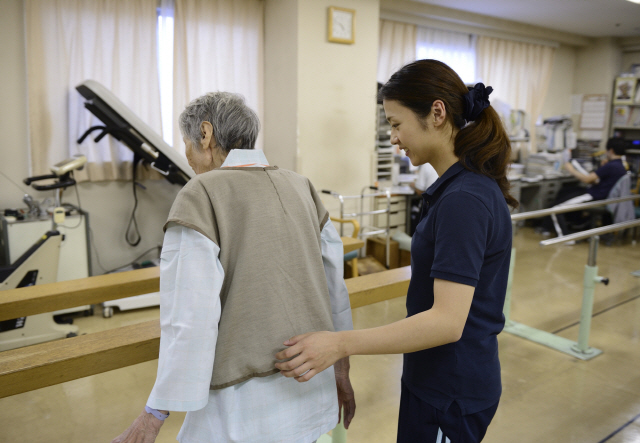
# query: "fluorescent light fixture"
[[634, 1]]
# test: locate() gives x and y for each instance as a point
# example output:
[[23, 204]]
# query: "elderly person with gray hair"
[[249, 259]]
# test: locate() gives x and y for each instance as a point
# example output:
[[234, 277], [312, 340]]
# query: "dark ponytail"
[[482, 145]]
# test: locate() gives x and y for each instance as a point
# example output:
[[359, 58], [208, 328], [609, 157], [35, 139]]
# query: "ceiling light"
[[634, 1]]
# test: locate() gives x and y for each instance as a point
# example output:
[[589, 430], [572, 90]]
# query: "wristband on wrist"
[[157, 414]]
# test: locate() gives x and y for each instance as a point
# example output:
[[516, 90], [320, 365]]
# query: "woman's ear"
[[438, 113]]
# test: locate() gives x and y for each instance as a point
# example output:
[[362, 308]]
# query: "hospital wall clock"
[[342, 25]]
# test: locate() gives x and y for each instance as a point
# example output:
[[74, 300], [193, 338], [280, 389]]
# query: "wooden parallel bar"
[[52, 297], [46, 364], [381, 286]]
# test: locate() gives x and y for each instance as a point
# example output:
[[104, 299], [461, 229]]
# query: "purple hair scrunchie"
[[476, 101]]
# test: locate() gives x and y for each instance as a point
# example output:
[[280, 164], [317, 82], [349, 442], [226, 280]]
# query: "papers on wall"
[[626, 116], [621, 115], [591, 135], [576, 104], [634, 118], [593, 112]]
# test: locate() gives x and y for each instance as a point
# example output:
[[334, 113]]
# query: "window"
[[456, 49], [165, 70]]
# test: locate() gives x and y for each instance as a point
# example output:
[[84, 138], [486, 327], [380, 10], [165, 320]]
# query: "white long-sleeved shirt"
[[268, 409]]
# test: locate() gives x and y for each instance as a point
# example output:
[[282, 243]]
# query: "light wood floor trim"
[[15, 303]]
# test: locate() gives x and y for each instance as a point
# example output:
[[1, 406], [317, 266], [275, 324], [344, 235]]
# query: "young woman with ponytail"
[[460, 256]]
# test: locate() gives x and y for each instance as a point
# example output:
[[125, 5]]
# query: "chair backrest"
[[353, 221], [622, 188], [621, 211]]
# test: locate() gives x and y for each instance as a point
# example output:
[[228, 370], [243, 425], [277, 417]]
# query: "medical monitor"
[[121, 123]]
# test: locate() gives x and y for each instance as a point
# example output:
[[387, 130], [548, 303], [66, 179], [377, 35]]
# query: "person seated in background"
[[249, 259], [602, 180], [426, 177]]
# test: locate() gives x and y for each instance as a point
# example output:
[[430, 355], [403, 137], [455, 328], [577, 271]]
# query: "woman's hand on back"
[[313, 353]]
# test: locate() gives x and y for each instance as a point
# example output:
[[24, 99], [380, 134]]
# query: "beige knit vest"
[[267, 223]]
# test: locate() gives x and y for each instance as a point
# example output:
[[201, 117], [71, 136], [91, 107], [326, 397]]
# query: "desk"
[[351, 244], [538, 195]]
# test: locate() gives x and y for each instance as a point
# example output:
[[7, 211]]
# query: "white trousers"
[[572, 201]]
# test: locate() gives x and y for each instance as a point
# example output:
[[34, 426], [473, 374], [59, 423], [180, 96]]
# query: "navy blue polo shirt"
[[464, 236], [608, 174]]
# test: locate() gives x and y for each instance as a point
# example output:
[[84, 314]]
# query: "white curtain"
[[165, 66], [456, 49], [397, 47], [219, 46], [519, 74], [69, 41]]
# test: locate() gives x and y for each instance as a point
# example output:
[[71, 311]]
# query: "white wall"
[[280, 123], [337, 97], [558, 99], [14, 152], [628, 59], [320, 97], [596, 68], [109, 204]]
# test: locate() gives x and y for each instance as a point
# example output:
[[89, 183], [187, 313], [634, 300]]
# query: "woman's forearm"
[[421, 331]]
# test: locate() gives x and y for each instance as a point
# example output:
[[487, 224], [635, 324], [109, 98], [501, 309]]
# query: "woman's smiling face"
[[408, 132]]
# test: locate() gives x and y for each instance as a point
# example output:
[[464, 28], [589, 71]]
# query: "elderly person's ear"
[[206, 130]]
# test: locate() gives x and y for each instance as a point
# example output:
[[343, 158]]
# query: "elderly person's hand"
[[346, 397], [144, 429]]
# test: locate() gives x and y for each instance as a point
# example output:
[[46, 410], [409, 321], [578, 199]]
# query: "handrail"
[[569, 208], [20, 302], [591, 232], [45, 364]]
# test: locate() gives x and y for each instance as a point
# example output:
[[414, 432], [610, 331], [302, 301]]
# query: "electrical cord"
[[132, 220], [158, 248], [95, 250], [14, 183]]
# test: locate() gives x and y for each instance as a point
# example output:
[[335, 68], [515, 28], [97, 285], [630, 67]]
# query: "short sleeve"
[[323, 214], [461, 232], [604, 171], [192, 209]]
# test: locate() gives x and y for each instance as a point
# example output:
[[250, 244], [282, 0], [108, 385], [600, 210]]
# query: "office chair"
[[614, 213]]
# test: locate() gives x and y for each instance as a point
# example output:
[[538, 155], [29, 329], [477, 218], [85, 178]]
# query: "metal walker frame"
[[367, 230]]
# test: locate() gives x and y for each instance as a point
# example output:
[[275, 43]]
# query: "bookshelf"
[[625, 118], [384, 148], [625, 112]]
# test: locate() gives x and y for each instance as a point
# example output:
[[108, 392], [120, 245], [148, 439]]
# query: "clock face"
[[342, 25]]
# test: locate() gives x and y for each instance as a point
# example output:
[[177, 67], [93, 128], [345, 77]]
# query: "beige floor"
[[548, 396]]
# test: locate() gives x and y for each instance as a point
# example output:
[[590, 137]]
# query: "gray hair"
[[235, 125]]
